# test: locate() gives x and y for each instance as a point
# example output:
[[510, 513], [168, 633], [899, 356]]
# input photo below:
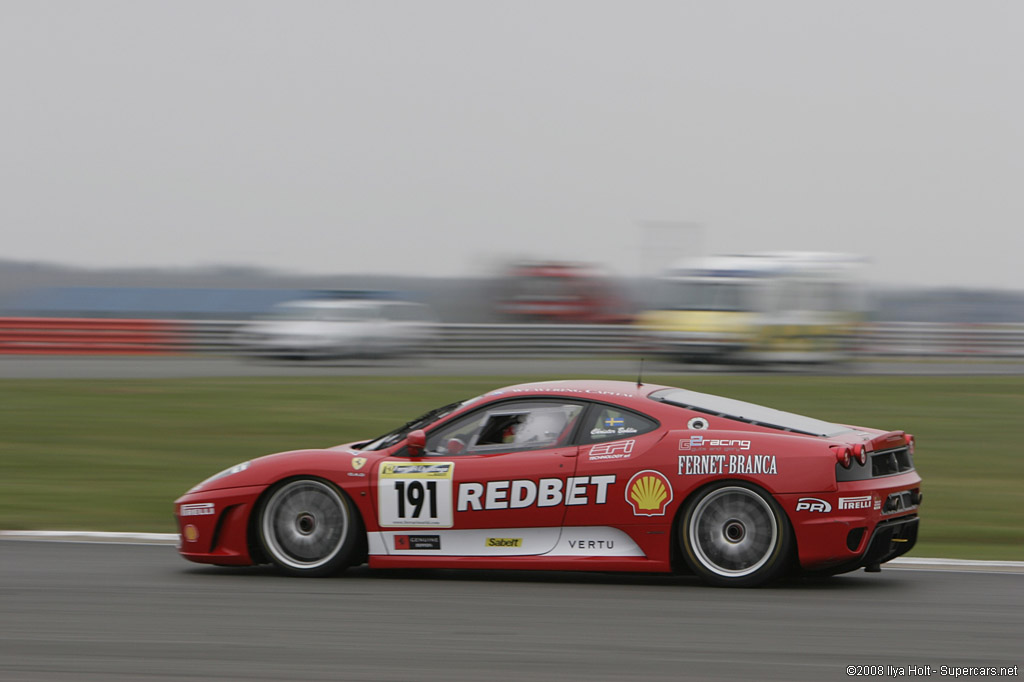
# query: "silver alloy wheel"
[[305, 524], [733, 531]]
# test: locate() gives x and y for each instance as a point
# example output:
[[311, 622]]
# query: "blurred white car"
[[340, 328]]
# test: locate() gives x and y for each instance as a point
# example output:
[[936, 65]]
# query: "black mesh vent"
[[891, 462], [887, 463]]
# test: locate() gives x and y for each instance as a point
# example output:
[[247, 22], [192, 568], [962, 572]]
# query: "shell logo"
[[649, 493], [191, 533]]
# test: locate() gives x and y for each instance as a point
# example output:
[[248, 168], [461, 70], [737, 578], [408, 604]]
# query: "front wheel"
[[734, 534], [309, 528]]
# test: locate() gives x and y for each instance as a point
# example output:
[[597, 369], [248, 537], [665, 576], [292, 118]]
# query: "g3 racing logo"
[[698, 442], [813, 504], [649, 493]]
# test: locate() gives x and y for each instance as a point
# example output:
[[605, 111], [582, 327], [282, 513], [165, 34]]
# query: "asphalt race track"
[[119, 612], [71, 611]]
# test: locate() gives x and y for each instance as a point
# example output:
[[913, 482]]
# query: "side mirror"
[[416, 442]]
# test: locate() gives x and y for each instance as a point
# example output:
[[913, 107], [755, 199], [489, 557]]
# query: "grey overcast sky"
[[438, 137]]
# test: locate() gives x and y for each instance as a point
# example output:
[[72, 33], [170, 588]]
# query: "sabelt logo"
[[198, 509], [504, 542], [649, 493]]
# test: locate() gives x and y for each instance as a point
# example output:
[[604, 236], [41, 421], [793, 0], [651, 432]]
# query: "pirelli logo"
[[198, 509], [863, 502]]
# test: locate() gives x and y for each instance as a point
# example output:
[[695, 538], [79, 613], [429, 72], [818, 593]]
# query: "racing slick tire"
[[308, 527], [734, 534]]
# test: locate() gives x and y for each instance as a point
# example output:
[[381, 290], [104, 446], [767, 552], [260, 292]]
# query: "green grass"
[[113, 454]]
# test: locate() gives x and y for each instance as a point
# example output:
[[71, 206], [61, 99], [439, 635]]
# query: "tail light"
[[843, 455]]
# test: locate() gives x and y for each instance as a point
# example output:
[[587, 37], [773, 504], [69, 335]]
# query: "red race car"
[[573, 475]]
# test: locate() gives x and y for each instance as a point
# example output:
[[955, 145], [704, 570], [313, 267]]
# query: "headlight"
[[238, 468]]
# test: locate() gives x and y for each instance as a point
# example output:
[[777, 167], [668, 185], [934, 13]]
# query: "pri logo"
[[649, 493], [813, 504]]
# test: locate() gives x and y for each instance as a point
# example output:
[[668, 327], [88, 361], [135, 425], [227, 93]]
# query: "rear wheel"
[[309, 528], [734, 534]]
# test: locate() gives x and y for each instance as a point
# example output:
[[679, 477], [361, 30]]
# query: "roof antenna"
[[640, 376]]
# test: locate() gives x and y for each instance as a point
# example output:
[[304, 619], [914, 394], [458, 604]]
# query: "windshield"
[[690, 294], [538, 288], [748, 412], [322, 313], [396, 436]]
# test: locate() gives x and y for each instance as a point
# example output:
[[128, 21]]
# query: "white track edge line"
[[172, 539], [90, 536]]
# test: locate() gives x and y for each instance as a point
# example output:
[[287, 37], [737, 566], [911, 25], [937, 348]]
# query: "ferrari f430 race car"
[[573, 475]]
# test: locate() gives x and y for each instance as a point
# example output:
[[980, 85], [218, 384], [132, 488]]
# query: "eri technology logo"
[[649, 493]]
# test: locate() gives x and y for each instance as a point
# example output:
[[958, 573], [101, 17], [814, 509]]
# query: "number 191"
[[416, 495]]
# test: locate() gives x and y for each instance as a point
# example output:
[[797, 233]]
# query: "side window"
[[609, 423], [507, 427]]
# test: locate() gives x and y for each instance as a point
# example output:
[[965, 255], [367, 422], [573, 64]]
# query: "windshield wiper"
[[389, 439]]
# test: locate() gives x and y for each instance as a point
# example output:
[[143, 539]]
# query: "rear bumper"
[[863, 523], [891, 539]]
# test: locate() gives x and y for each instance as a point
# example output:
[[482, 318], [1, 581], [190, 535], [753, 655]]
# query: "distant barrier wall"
[[78, 336], [89, 336]]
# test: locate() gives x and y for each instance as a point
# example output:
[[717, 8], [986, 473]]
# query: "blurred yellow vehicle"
[[758, 308]]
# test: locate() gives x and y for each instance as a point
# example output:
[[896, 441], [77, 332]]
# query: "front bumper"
[[214, 525]]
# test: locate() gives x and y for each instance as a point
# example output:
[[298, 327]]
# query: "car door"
[[494, 482], [613, 441]]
